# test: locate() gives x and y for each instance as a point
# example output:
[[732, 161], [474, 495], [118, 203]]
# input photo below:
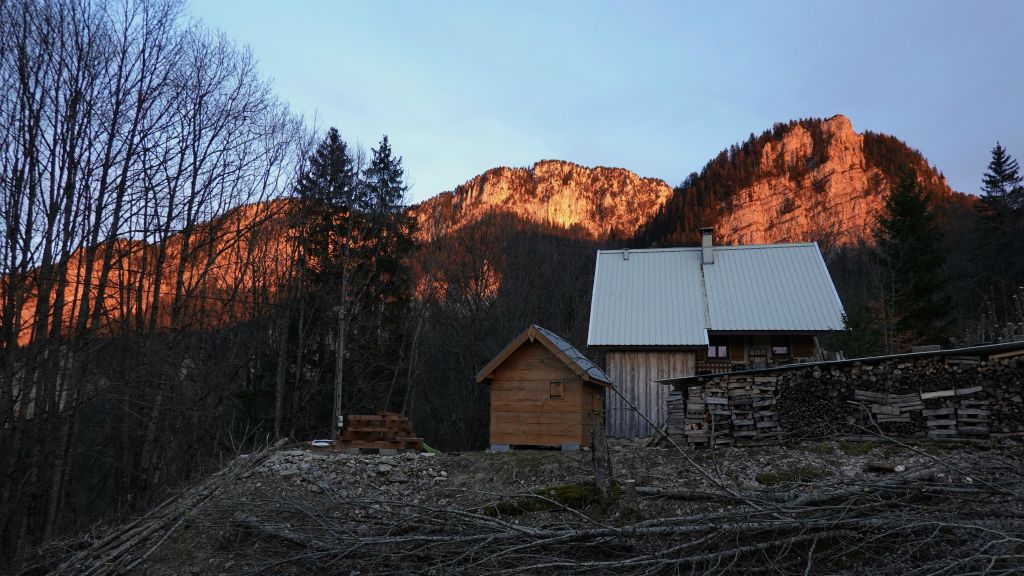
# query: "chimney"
[[706, 244]]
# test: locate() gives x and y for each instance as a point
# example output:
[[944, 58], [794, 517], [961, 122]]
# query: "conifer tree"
[[913, 301], [353, 283], [330, 202], [388, 289], [1002, 183], [999, 239], [329, 195]]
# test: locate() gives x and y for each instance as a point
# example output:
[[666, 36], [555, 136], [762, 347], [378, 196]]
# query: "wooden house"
[[676, 312], [544, 392]]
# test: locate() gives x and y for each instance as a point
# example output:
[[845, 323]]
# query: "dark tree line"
[[134, 295], [183, 274]]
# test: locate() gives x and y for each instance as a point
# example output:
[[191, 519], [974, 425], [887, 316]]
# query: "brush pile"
[[821, 508]]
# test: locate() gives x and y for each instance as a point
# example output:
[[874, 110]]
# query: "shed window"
[[718, 348], [780, 346], [557, 389]]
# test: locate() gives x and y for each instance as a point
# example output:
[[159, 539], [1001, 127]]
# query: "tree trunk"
[[339, 367], [602, 460], [282, 363]]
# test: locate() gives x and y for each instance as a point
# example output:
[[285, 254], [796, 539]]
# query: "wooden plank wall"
[[522, 412], [634, 374]]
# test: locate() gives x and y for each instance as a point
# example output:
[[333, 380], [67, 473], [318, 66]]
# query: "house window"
[[557, 389], [780, 346], [718, 348]]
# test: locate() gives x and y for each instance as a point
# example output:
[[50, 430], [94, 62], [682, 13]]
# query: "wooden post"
[[602, 460]]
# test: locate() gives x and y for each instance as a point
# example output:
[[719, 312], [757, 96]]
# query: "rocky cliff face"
[[808, 180], [834, 200], [598, 202]]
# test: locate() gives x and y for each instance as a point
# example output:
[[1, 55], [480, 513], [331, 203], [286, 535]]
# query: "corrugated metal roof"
[[665, 297], [653, 298], [777, 287], [581, 361]]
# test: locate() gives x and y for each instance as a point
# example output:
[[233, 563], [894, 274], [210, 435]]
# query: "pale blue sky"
[[655, 87]]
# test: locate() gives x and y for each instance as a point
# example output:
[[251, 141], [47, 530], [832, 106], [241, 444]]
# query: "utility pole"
[[339, 366]]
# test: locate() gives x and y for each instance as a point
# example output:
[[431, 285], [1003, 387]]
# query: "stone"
[[384, 468], [288, 473], [500, 447], [388, 451], [570, 447], [397, 477]]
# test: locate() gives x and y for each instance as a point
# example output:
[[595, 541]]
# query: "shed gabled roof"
[[667, 297], [558, 347]]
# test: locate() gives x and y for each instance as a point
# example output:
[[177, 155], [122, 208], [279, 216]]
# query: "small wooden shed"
[[544, 392]]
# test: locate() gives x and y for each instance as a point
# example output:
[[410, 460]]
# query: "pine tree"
[[913, 302], [387, 294], [999, 239], [1002, 183], [354, 238], [330, 199], [329, 193]]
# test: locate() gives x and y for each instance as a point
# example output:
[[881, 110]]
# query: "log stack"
[[376, 431], [968, 396], [733, 410]]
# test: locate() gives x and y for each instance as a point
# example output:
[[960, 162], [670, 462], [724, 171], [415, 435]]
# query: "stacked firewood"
[[732, 409], [933, 396]]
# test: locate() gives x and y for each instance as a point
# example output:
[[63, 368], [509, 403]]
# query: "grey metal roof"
[[581, 361], [666, 297], [771, 287], [653, 298]]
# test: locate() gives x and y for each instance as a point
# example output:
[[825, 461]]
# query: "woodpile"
[[941, 397], [376, 431], [733, 410]]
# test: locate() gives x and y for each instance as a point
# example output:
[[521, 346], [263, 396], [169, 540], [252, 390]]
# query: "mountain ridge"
[[601, 201], [806, 180]]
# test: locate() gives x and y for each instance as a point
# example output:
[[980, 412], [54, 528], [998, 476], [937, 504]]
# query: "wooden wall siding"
[[803, 346], [738, 348], [522, 411], [634, 374]]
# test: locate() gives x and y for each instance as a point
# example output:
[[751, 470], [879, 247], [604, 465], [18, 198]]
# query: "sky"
[[658, 88]]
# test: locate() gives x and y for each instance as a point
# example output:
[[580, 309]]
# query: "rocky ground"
[[297, 511]]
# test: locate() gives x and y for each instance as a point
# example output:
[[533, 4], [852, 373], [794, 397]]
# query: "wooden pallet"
[[377, 431]]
